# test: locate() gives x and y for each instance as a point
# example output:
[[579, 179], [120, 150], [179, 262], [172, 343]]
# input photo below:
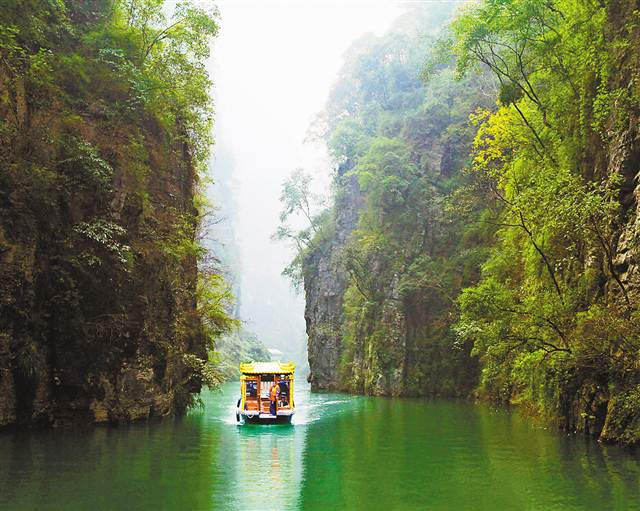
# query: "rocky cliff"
[[325, 282], [495, 249], [400, 146], [616, 404], [98, 253]]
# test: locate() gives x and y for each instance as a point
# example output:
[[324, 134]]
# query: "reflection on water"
[[343, 452], [269, 466], [411, 454]]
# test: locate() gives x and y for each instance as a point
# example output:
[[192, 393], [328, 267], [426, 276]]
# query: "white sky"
[[273, 65]]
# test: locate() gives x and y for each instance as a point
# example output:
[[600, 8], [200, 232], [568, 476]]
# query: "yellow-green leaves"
[[215, 302]]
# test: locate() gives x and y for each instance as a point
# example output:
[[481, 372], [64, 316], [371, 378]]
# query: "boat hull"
[[264, 418]]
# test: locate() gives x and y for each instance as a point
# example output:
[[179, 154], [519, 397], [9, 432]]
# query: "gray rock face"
[[622, 152], [624, 156], [324, 286], [372, 372]]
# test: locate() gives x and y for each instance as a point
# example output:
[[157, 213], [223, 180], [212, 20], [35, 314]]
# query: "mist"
[[273, 65]]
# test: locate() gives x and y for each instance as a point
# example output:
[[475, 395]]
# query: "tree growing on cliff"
[[301, 204], [399, 148], [557, 210]]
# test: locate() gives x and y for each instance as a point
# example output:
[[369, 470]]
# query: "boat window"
[[251, 388]]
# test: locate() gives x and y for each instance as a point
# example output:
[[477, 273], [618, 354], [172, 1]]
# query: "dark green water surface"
[[344, 452]]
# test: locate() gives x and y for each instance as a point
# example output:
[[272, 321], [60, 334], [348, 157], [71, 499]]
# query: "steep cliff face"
[[498, 257], [98, 252], [325, 281], [378, 311], [622, 150], [618, 417]]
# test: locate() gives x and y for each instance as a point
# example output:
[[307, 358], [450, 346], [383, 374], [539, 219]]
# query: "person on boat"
[[273, 397]]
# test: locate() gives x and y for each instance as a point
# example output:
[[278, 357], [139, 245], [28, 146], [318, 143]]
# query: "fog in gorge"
[[273, 65]]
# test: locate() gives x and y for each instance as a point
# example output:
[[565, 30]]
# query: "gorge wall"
[[102, 130], [491, 246], [377, 310], [325, 282]]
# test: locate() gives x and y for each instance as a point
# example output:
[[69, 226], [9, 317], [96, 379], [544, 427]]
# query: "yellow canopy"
[[267, 368]]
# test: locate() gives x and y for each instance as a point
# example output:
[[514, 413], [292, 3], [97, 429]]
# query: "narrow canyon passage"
[[320, 254]]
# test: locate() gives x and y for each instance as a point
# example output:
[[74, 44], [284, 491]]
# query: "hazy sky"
[[273, 65]]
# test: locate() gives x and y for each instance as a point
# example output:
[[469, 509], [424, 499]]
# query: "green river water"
[[344, 452]]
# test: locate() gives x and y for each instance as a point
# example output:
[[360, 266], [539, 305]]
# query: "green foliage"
[[236, 347], [105, 120], [214, 300], [105, 234], [551, 319], [202, 371], [623, 424], [301, 204], [506, 238], [402, 145]]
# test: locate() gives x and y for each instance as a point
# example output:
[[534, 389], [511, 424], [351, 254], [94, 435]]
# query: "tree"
[[298, 201]]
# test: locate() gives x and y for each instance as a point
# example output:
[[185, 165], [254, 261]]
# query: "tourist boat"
[[256, 380]]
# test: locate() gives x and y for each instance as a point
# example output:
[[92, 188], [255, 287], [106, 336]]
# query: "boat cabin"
[[256, 381]]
